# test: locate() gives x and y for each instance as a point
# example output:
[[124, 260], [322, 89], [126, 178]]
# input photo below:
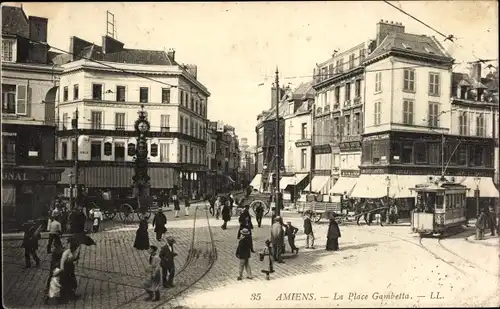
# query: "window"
[[351, 61], [8, 50], [361, 55], [186, 126], [462, 123], [95, 150], [330, 70], [186, 154], [96, 120], [14, 99], [434, 115], [434, 153], [9, 149], [303, 158], [164, 152], [434, 84], [195, 130], [181, 153], [395, 152], [73, 148], [181, 95], [357, 124], [65, 94], [378, 112], [347, 91], [192, 127], [108, 149], [131, 149], [64, 150], [186, 99], [120, 121], [143, 94], [378, 81], [347, 125], [304, 131], [75, 92], [165, 123], [480, 128], [407, 154], [408, 112], [476, 156], [461, 155], [165, 95], [337, 95], [120, 93], [181, 125], [340, 66], [119, 151], [420, 153], [97, 92], [357, 88], [192, 103], [154, 150], [65, 124], [409, 80]]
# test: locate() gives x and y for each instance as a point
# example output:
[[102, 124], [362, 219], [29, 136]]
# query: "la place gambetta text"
[[374, 296]]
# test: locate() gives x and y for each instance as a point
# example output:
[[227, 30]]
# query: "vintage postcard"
[[335, 154]]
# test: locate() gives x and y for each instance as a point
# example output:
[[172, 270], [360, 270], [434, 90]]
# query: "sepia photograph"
[[305, 154]]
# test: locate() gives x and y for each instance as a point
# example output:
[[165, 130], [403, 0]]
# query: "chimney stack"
[[111, 45], [384, 28], [475, 72], [171, 54]]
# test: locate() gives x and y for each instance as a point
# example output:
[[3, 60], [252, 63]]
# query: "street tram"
[[440, 208]]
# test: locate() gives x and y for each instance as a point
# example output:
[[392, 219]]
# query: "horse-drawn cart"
[[322, 210], [253, 200], [125, 206]]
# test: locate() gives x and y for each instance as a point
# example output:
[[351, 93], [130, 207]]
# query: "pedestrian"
[[243, 253], [54, 291], [218, 206], [55, 232], [187, 204], [77, 219], [141, 241], [212, 201], [231, 202], [30, 244], [97, 219], [493, 219], [259, 213], [153, 275], [277, 236], [55, 262], [245, 221], [226, 215], [167, 256], [308, 230], [332, 243], [291, 231], [177, 206], [159, 222], [481, 223], [393, 214], [69, 284], [266, 256], [64, 218]]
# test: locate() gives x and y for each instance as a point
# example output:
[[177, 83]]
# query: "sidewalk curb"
[[471, 239]]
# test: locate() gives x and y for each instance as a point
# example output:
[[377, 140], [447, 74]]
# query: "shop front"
[[27, 193]]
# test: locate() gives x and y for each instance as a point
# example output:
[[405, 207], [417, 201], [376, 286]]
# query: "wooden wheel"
[[109, 214], [126, 212], [316, 217], [257, 203]]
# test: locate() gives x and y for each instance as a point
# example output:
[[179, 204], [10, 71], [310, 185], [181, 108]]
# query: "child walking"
[[266, 256]]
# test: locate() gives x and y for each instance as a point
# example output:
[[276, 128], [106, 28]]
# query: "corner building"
[[108, 94]]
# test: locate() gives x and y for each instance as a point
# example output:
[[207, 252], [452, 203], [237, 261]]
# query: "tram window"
[[439, 201], [448, 201]]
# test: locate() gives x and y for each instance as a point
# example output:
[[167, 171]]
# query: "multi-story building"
[[338, 120], [297, 143], [247, 162], [408, 77], [474, 115], [29, 85], [266, 141], [108, 85]]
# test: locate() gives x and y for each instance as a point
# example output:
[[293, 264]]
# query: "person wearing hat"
[[30, 243], [243, 253], [167, 256], [481, 225], [291, 231], [154, 277], [277, 237], [159, 222], [308, 230], [266, 256], [54, 263]]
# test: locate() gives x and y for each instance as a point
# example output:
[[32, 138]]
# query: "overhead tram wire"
[[101, 63]]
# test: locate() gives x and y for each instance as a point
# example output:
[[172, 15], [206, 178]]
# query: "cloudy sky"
[[237, 46]]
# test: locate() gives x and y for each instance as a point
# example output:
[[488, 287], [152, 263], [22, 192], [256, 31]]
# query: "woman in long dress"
[[332, 243], [141, 236], [153, 275], [68, 277]]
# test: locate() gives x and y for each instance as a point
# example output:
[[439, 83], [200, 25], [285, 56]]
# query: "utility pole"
[[311, 163], [278, 201], [75, 158]]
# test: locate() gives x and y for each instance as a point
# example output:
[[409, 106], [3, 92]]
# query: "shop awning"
[[375, 186], [121, 177], [291, 180], [256, 182], [486, 186], [161, 178], [318, 184], [344, 185]]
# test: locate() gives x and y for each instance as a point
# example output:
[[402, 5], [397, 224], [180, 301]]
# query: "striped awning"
[[121, 177]]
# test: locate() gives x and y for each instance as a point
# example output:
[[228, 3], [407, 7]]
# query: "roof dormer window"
[[428, 50], [9, 50], [406, 46]]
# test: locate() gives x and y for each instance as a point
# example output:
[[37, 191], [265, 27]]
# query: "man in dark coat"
[[492, 219], [259, 214], [243, 254], [78, 220], [226, 214], [245, 221], [332, 243], [231, 203], [167, 256], [308, 230], [291, 231], [159, 222], [30, 244], [212, 201], [277, 237], [481, 223]]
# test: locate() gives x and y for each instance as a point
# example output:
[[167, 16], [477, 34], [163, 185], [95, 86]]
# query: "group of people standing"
[[488, 218]]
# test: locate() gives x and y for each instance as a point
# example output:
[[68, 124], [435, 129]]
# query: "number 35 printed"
[[255, 296]]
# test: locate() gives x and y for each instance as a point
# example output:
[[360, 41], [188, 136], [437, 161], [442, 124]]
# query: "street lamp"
[[477, 180]]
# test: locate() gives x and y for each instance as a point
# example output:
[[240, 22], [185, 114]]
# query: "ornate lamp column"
[[141, 177]]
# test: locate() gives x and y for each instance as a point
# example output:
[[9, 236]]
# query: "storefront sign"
[[349, 173], [31, 176], [376, 137], [9, 134], [350, 146], [303, 143], [322, 149]]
